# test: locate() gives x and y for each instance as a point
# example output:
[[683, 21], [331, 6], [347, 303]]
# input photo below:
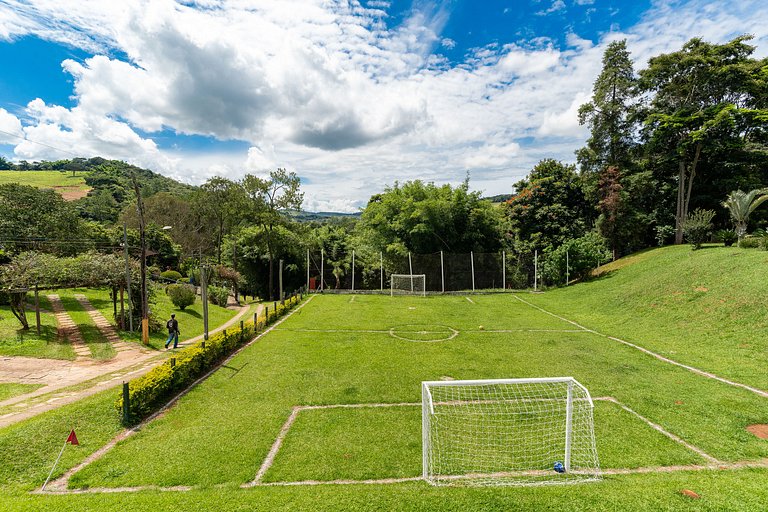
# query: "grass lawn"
[[335, 351], [16, 342], [70, 187], [705, 308], [10, 390]]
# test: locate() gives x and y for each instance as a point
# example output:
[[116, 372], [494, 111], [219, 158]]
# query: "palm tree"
[[741, 204]]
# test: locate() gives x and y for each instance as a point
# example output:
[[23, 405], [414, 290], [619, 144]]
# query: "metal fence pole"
[[567, 268], [504, 270], [535, 269], [410, 270], [381, 269], [472, 261], [442, 272], [322, 269], [353, 270], [307, 269]]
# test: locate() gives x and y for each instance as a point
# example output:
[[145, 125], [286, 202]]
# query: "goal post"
[[537, 431], [408, 284]]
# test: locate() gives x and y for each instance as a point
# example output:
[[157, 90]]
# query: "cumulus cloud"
[[10, 128], [327, 89]]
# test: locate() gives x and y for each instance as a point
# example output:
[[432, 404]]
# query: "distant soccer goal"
[[508, 432], [408, 284]]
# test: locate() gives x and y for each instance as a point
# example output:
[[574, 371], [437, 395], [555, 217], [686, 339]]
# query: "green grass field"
[[334, 351], [70, 187]]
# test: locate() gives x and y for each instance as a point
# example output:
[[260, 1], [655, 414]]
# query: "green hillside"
[[704, 308], [69, 186]]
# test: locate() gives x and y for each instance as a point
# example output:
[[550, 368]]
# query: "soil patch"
[[759, 429]]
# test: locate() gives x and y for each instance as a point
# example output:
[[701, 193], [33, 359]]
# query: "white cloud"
[[326, 89], [557, 5], [10, 128]]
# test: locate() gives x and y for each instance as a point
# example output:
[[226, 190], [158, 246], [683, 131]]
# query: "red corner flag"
[[72, 439]]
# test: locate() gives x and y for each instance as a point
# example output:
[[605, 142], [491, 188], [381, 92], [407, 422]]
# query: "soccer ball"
[[559, 468], [481, 328]]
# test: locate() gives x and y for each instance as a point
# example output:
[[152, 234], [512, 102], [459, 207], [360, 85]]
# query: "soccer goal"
[[408, 284], [508, 432]]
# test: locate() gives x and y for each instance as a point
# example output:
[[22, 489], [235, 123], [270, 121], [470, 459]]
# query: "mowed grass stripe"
[[222, 430]]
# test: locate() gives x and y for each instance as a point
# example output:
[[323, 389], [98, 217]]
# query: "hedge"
[[152, 390]]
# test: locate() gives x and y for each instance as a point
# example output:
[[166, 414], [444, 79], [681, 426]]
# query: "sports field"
[[70, 187], [338, 384]]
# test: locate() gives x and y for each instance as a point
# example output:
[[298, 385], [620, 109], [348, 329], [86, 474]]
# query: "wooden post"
[[122, 308], [37, 309]]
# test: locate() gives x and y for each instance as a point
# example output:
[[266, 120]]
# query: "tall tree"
[[608, 114], [702, 100], [268, 200], [220, 201]]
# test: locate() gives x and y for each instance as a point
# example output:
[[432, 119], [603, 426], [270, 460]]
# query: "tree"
[[608, 114], [703, 98], [268, 200], [219, 200], [741, 204], [34, 218], [426, 218], [548, 209]]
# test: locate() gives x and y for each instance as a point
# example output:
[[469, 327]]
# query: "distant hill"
[[500, 198], [304, 216]]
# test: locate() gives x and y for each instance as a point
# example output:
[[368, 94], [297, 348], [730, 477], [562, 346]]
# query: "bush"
[[750, 242], [727, 236], [575, 258], [181, 295], [170, 275], [697, 226], [663, 234], [218, 295], [150, 391]]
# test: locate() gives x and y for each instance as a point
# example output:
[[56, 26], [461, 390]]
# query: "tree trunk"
[[679, 206], [19, 309]]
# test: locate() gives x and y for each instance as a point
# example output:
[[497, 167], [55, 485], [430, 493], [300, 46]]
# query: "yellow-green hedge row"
[[153, 389]]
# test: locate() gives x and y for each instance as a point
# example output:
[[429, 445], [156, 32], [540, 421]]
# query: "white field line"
[[270, 458], [470, 300], [662, 430], [376, 331], [63, 481], [692, 369]]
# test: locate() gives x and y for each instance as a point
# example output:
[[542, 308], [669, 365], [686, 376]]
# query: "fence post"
[[381, 269], [442, 272], [567, 268], [410, 271], [472, 261], [504, 270], [173, 362], [322, 269], [535, 269], [307, 269], [353, 270]]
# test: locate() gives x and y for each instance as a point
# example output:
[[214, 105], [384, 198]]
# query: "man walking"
[[173, 332]]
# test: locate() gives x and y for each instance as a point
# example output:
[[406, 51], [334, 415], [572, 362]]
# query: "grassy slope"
[[64, 183], [705, 308]]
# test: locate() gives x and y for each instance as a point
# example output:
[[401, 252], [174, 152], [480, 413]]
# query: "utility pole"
[[128, 278], [204, 297], [143, 242], [280, 277]]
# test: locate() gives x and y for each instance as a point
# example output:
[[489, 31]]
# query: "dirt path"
[[58, 375]]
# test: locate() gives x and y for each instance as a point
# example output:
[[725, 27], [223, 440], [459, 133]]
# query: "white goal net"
[[408, 284], [508, 432]]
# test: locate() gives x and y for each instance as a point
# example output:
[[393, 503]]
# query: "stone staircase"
[[68, 329]]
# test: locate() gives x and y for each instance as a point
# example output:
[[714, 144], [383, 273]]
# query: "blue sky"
[[352, 96]]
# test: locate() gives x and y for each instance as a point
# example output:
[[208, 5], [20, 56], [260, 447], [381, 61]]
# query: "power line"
[[22, 137]]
